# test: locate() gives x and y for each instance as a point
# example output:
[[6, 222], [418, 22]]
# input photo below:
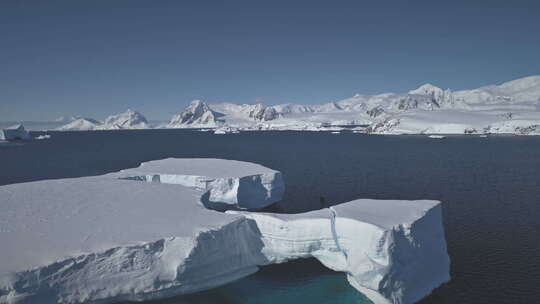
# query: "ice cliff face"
[[381, 245], [16, 132], [117, 237], [235, 185]]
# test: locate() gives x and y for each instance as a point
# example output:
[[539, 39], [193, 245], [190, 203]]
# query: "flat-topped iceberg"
[[228, 184], [392, 251], [117, 237]]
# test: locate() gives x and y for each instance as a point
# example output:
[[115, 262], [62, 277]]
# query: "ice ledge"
[[103, 239], [392, 251], [227, 184]]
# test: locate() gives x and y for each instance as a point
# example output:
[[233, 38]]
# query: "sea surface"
[[490, 189]]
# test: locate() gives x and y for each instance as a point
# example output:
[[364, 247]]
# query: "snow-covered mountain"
[[81, 124], [66, 118], [198, 113], [126, 120], [511, 107]]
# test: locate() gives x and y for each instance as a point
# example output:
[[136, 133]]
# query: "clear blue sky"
[[99, 57]]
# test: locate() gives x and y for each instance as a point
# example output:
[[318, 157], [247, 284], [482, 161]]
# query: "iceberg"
[[227, 184], [145, 233], [226, 130], [16, 132], [44, 136]]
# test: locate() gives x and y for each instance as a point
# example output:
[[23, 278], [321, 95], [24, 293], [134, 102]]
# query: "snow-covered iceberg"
[[109, 238], [227, 184], [16, 132]]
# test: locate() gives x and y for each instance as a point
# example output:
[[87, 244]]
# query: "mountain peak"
[[426, 89]]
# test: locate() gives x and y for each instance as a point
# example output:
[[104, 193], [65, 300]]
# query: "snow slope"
[[512, 107], [81, 124], [109, 238], [126, 120]]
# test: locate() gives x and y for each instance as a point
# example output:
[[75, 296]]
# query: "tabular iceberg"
[[228, 184], [116, 237]]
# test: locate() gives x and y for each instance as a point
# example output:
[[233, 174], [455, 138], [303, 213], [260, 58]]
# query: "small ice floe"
[[226, 130], [437, 136], [44, 136], [336, 132], [483, 135]]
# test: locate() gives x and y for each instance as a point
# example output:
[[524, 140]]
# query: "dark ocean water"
[[490, 188]]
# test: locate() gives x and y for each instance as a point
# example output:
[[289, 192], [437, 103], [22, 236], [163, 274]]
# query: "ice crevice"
[[334, 233], [150, 232]]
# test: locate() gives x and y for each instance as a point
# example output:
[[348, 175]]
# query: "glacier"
[[145, 233]]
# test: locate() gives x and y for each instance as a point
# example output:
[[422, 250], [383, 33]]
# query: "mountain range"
[[511, 107]]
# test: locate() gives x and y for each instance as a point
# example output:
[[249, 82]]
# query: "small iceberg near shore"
[[155, 231], [436, 136], [16, 132], [44, 136], [226, 130]]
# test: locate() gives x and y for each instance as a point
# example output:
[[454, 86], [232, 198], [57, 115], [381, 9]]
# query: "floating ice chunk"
[[16, 132], [226, 130], [45, 136], [437, 136]]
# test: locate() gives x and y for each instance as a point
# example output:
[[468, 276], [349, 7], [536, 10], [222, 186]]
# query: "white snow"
[[126, 120], [106, 239], [16, 132], [510, 108], [226, 130], [228, 183], [81, 124], [427, 109], [44, 136]]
